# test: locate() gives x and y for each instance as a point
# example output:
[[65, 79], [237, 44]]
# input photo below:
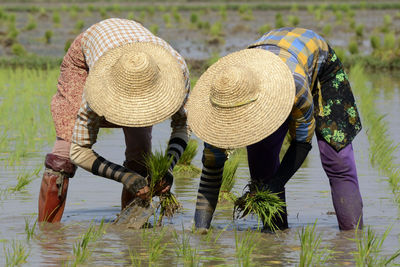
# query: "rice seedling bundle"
[[157, 165], [184, 166], [267, 206], [229, 177]]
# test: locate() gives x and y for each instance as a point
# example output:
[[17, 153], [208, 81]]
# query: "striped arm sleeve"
[[179, 136], [91, 161], [210, 184]]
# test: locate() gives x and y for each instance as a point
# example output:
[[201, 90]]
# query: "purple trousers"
[[339, 166]]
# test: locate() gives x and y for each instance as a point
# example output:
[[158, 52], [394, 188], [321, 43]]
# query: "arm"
[[210, 183], [81, 153], [301, 129]]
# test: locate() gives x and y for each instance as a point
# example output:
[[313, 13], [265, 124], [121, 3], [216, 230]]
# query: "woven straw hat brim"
[[247, 124], [141, 109]]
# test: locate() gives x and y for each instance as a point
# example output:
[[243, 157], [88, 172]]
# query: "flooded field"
[[92, 199]]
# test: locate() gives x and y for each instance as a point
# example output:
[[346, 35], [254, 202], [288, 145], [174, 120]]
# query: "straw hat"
[[241, 99], [136, 85]]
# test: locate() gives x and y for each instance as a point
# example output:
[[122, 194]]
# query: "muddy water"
[[93, 198]]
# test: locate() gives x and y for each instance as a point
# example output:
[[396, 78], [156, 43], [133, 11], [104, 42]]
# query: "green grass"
[[369, 249], [265, 205], [15, 255], [311, 253]]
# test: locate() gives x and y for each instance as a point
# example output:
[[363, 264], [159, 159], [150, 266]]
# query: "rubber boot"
[[54, 188], [126, 196]]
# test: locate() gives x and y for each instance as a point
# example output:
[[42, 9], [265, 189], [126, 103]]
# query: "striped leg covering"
[[210, 184]]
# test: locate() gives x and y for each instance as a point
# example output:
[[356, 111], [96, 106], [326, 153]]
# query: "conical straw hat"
[[241, 99], [136, 85]]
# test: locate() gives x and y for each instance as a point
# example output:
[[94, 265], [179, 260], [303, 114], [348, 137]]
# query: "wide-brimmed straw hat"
[[136, 85], [241, 99]]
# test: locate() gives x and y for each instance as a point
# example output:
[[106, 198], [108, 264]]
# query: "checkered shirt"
[[304, 52], [96, 41]]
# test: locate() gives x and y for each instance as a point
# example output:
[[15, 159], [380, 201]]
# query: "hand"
[[165, 184], [143, 193]]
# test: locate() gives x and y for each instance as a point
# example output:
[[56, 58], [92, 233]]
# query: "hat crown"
[[234, 86], [135, 73]]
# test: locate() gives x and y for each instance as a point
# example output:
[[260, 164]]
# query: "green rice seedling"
[[383, 149], [31, 23], [30, 229], [47, 36], [229, 177], [350, 14], [194, 18], [81, 249], [353, 47], [245, 247], [318, 14], [142, 16], [177, 16], [397, 16], [16, 255], [311, 254], [216, 29], [339, 17], [184, 166], [67, 45], [154, 29], [375, 42], [243, 9], [264, 29], [103, 13], [91, 8], [79, 25], [135, 258], [151, 10], [184, 250], [369, 249], [155, 246], [223, 12], [341, 53], [23, 180], [167, 20], [116, 8], [265, 205], [18, 50], [352, 24], [360, 30], [294, 20], [42, 12], [389, 41], [294, 8], [310, 9], [279, 23], [157, 165], [73, 14], [56, 19], [248, 15], [130, 16], [327, 29]]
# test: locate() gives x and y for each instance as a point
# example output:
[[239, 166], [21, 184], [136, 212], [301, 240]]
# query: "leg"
[[263, 159], [138, 144], [340, 168], [54, 187]]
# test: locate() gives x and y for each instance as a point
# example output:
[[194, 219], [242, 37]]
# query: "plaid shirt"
[[304, 52], [96, 41]]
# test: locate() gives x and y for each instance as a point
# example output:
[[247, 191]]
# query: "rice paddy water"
[[75, 239]]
